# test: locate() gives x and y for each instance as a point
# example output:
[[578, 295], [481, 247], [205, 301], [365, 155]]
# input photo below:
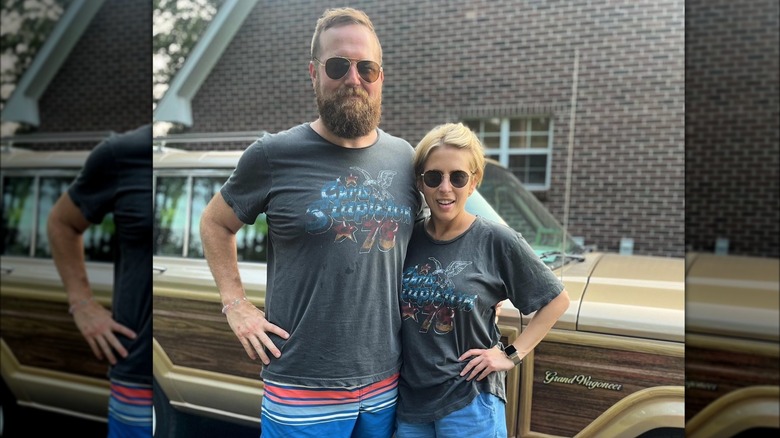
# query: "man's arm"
[[65, 227], [218, 228]]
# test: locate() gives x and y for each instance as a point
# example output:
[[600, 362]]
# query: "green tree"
[[177, 26], [24, 27]]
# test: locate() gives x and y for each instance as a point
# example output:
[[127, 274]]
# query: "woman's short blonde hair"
[[456, 135]]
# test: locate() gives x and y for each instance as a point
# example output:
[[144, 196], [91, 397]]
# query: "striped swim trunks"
[[130, 410], [304, 411]]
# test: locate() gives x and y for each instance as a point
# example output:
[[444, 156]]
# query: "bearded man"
[[341, 192]]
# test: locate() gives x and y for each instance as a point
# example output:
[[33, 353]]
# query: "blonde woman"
[[458, 268]]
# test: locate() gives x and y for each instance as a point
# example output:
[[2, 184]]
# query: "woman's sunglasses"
[[458, 178], [337, 67]]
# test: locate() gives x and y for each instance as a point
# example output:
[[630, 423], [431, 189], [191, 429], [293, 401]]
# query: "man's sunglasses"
[[458, 178], [337, 67]]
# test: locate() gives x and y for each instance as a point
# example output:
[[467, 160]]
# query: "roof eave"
[[176, 104], [22, 106]]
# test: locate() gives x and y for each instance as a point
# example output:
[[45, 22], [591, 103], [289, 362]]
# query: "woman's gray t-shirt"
[[450, 290]]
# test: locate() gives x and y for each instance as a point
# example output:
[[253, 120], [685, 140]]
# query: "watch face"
[[510, 350]]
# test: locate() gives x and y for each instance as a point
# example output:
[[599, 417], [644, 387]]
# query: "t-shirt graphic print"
[[359, 208]]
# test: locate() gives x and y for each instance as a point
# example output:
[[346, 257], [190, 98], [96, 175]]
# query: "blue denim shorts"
[[484, 417]]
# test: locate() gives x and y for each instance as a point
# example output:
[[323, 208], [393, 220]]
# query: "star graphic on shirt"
[[345, 231], [409, 311], [351, 180]]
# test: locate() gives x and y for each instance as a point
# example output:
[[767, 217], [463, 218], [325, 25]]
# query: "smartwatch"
[[511, 352]]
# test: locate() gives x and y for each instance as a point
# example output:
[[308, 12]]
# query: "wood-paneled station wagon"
[[45, 362]]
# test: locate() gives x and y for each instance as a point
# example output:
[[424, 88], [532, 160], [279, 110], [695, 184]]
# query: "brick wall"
[[446, 60], [105, 84], [732, 129]]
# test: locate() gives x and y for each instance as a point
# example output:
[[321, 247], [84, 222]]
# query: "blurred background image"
[[731, 218], [73, 74]]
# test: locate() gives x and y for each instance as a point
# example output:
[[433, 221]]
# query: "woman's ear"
[[472, 185]]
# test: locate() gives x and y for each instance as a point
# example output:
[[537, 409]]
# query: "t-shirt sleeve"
[[94, 189], [246, 190], [530, 283]]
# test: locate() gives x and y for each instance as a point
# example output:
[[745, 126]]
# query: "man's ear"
[[312, 72]]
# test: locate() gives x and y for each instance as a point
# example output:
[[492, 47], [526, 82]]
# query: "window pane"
[[540, 124], [170, 216], [50, 191], [491, 142], [518, 125], [474, 125], [493, 125], [18, 204], [539, 141], [100, 240], [252, 241], [529, 169], [203, 189], [518, 141]]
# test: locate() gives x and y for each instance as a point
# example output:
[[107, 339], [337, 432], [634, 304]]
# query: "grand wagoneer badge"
[[580, 379]]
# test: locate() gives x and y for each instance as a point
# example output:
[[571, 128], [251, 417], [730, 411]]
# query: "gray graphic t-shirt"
[[339, 222], [450, 289]]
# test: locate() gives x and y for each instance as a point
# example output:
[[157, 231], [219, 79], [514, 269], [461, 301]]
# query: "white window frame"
[[503, 152]]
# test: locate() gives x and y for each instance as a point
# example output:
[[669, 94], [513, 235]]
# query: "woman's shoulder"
[[497, 229]]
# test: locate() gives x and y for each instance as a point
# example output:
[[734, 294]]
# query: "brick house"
[[507, 69]]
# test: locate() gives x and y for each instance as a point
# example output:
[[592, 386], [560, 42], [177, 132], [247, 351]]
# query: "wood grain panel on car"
[[591, 380], [711, 373], [195, 334], [42, 334]]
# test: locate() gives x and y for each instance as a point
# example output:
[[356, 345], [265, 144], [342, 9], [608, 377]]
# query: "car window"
[[526, 214], [18, 203], [28, 198], [180, 198]]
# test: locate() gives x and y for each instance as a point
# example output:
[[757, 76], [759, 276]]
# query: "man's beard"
[[347, 117]]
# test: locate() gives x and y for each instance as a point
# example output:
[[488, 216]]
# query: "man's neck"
[[354, 143]]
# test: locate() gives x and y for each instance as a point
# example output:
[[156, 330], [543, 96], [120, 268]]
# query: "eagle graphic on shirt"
[[429, 297]]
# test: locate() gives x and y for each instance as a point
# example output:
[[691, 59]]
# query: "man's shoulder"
[[391, 139], [129, 145], [281, 138], [137, 138]]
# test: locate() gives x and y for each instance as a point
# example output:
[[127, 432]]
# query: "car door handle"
[[159, 269], [7, 270]]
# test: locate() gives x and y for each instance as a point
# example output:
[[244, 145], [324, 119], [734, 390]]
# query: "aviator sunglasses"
[[337, 67], [458, 178]]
